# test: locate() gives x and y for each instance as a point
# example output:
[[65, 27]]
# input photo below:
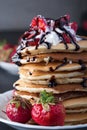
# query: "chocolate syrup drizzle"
[[83, 66], [77, 47], [64, 62], [59, 34], [52, 82], [84, 82]]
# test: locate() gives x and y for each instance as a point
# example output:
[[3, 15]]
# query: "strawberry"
[[74, 26], [39, 23], [66, 38], [33, 43], [48, 113], [67, 17], [18, 110]]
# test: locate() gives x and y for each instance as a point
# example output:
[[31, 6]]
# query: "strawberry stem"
[[46, 98]]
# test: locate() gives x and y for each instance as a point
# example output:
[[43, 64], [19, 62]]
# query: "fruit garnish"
[[66, 38], [74, 26], [18, 110], [33, 43], [47, 112], [39, 23]]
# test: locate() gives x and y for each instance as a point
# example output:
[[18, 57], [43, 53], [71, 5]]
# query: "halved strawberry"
[[33, 43], [66, 38], [74, 26], [39, 23]]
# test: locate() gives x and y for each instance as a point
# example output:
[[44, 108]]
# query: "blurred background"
[[16, 15]]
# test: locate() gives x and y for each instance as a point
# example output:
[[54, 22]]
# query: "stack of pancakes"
[[58, 70]]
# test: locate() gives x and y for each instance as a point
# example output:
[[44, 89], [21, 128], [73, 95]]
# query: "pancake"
[[34, 88], [54, 48], [60, 96], [76, 117], [58, 81], [76, 102], [76, 122], [47, 57], [45, 75], [54, 66], [76, 110]]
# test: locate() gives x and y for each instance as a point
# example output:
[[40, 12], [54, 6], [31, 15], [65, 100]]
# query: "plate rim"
[[11, 123]]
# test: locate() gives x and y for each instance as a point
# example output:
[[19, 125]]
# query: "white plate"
[[9, 67], [5, 97]]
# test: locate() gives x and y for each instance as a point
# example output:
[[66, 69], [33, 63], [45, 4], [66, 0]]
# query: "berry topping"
[[19, 110], [39, 23], [66, 38], [74, 26], [33, 43], [67, 17], [47, 112]]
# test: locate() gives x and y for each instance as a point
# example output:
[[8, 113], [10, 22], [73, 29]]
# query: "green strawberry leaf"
[[46, 97]]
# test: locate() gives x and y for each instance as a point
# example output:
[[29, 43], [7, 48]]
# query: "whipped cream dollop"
[[52, 38]]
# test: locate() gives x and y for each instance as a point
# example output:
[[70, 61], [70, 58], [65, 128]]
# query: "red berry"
[[18, 110], [39, 23], [67, 16], [74, 26], [54, 117], [33, 43], [48, 113], [66, 38]]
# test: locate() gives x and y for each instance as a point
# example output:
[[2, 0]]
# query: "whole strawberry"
[[48, 113], [18, 110]]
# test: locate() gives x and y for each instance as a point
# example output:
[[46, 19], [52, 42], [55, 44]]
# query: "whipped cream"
[[52, 38]]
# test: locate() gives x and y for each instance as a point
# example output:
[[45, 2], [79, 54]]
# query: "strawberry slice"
[[39, 23], [74, 26], [66, 38], [33, 43]]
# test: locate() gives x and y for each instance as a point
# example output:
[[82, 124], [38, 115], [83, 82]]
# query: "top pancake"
[[60, 47]]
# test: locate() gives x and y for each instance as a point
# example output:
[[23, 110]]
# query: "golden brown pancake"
[[47, 75], [34, 88], [47, 57], [76, 102], [54, 66], [62, 96], [55, 48], [76, 117]]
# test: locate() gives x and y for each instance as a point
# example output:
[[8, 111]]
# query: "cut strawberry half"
[[39, 23], [33, 43], [66, 38], [74, 26]]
